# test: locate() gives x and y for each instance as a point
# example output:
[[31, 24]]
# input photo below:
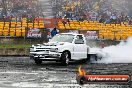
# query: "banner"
[[34, 33], [92, 35]]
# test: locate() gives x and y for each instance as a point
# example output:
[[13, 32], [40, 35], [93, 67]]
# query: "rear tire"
[[38, 62], [84, 60], [65, 58], [88, 55]]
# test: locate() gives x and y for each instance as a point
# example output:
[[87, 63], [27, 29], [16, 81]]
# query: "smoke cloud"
[[121, 53]]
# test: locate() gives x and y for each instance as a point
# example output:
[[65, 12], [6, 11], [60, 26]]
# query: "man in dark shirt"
[[54, 32]]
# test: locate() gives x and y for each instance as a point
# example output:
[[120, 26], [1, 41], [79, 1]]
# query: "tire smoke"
[[121, 53]]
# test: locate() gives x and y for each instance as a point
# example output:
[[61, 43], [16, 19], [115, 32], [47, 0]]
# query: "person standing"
[[54, 32]]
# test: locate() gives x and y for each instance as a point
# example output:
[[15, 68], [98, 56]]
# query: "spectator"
[[130, 22], [54, 32], [93, 9], [19, 9], [102, 20]]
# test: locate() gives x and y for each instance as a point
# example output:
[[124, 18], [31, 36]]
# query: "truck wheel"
[[88, 55], [94, 57], [65, 58], [31, 57], [84, 60], [38, 62]]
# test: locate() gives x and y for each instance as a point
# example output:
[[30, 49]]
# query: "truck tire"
[[84, 60], [38, 62], [31, 57], [88, 55], [65, 58]]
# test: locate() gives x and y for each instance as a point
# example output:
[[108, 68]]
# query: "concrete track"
[[21, 72]]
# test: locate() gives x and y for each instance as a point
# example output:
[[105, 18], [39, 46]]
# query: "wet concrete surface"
[[21, 72]]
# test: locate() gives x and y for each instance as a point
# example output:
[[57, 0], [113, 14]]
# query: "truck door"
[[80, 48]]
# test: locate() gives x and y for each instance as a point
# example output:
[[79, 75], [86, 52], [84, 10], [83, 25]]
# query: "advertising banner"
[[34, 33], [91, 35]]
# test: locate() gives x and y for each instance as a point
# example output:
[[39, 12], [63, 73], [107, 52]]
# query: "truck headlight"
[[31, 49], [54, 50]]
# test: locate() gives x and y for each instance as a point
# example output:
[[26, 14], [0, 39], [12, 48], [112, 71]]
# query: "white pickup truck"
[[63, 47]]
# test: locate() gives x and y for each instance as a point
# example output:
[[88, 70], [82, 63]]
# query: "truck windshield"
[[63, 38]]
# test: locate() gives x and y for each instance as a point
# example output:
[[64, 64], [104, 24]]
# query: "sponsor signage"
[[34, 33], [91, 35], [83, 78]]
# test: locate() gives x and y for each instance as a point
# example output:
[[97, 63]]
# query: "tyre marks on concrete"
[[22, 72]]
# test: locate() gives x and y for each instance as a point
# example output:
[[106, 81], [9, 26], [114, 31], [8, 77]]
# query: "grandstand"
[[18, 29], [17, 17], [106, 31]]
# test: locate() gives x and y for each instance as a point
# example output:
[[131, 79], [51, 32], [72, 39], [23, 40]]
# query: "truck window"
[[79, 40], [63, 38]]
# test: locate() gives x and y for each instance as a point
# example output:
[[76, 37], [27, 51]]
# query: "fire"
[[82, 72]]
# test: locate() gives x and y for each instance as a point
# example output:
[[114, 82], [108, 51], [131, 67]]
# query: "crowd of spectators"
[[105, 11], [19, 9]]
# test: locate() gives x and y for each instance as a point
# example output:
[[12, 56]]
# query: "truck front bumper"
[[45, 56]]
